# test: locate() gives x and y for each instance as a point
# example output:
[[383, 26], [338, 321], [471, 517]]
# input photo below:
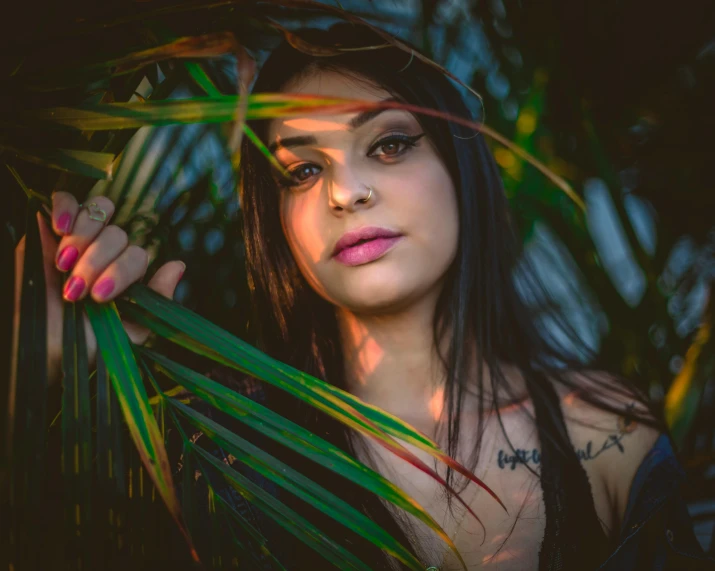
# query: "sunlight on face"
[[314, 124], [436, 403], [332, 160]]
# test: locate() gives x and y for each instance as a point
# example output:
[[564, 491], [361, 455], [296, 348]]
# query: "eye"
[[389, 148], [393, 145], [301, 174]]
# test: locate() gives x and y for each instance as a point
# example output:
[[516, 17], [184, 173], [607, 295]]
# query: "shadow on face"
[[407, 227]]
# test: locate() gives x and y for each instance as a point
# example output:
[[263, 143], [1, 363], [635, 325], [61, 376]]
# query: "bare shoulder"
[[614, 442]]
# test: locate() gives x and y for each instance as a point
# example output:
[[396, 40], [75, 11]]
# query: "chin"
[[377, 296]]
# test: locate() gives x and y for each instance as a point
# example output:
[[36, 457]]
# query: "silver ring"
[[95, 212]]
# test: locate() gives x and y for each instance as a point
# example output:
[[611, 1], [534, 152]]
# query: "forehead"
[[326, 84]]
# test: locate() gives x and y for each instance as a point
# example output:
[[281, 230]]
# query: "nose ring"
[[369, 196]]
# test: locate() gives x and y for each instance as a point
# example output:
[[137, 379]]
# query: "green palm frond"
[[85, 129], [101, 504]]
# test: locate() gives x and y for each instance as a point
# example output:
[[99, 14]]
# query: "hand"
[[101, 264]]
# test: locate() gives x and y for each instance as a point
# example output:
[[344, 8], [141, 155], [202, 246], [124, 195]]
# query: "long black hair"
[[483, 304]]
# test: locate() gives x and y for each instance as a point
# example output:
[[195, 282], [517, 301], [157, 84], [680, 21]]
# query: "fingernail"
[[183, 269], [74, 288], [67, 258], [103, 288], [63, 222]]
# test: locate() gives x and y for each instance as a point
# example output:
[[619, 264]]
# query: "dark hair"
[[481, 305]]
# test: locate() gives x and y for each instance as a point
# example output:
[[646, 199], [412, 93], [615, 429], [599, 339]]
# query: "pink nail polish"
[[63, 222], [103, 288], [67, 258], [74, 288]]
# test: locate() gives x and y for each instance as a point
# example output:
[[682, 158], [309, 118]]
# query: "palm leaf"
[[233, 515], [295, 482], [256, 543], [684, 396], [129, 388], [259, 106], [199, 335], [86, 163], [27, 402], [188, 499], [202, 80], [297, 439], [294, 437], [286, 518], [110, 463], [76, 430]]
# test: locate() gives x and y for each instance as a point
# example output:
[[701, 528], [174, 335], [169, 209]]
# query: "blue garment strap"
[[661, 455]]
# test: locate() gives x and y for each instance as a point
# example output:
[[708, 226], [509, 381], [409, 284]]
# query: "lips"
[[364, 245], [354, 237]]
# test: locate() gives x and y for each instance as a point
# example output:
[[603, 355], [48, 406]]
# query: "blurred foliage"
[[615, 97], [598, 95]]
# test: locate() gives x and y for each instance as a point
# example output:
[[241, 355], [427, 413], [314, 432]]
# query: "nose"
[[349, 196]]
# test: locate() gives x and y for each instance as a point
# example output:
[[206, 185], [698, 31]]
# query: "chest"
[[507, 541]]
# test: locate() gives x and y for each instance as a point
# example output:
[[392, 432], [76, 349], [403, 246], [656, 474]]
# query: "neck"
[[391, 361]]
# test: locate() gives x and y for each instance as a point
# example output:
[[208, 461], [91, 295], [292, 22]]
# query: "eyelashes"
[[408, 140], [303, 172]]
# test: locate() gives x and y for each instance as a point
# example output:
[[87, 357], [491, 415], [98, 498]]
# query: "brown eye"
[[389, 149], [304, 172], [393, 146]]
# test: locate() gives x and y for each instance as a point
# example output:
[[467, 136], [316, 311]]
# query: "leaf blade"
[[284, 516], [236, 353], [293, 481], [27, 403], [128, 386], [86, 163], [683, 397], [76, 431], [293, 436]]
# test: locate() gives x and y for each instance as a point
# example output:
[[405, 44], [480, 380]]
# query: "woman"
[[385, 263]]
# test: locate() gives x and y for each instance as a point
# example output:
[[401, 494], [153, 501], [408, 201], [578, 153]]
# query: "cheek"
[[301, 225], [429, 200], [419, 199]]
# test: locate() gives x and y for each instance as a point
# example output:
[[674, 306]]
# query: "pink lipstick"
[[364, 245]]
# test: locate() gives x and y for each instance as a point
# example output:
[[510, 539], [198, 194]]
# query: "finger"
[[164, 281], [64, 212], [84, 231], [167, 277], [103, 251], [136, 333], [129, 267]]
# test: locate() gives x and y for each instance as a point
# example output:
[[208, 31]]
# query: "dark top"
[[656, 534]]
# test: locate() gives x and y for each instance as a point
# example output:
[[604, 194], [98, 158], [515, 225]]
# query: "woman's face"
[[409, 222]]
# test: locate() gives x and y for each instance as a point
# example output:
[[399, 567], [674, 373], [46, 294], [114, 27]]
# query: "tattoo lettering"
[[506, 459]]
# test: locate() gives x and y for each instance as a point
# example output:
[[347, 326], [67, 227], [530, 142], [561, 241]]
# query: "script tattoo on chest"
[[510, 459]]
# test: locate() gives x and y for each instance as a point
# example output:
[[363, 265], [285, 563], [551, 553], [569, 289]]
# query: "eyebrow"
[[356, 122]]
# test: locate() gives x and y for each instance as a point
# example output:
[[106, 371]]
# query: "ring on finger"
[[95, 212]]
